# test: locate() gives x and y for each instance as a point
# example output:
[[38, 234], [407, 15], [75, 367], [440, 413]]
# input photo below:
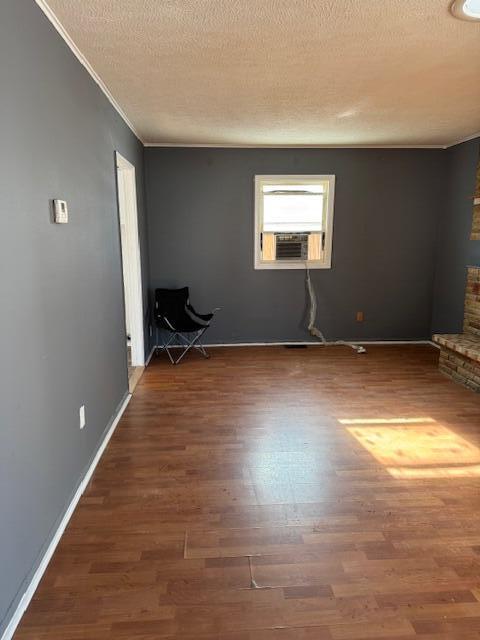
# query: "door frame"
[[131, 255]]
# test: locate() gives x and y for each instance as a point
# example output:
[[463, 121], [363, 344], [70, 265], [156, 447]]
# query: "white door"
[[131, 263]]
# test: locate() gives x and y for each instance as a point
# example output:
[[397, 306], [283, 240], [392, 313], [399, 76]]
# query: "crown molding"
[[467, 139], [82, 59], [291, 146]]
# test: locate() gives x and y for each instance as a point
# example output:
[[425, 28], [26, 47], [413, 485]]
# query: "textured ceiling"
[[283, 72]]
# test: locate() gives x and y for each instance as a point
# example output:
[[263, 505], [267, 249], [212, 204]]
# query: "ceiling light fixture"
[[466, 9]]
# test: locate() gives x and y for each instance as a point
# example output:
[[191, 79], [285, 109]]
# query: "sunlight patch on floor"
[[385, 420], [416, 448], [412, 473]]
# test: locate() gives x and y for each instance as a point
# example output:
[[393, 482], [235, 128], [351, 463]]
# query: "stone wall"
[[471, 323], [475, 235], [460, 352], [460, 369]]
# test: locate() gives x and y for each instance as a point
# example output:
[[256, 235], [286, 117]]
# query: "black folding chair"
[[174, 314]]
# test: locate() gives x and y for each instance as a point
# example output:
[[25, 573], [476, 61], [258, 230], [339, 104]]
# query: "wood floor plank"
[[274, 494]]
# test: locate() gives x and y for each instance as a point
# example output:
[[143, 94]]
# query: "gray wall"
[[62, 317], [455, 250], [387, 203]]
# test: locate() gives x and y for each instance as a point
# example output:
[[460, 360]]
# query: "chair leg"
[[202, 349], [192, 343], [182, 340], [165, 345], [196, 342]]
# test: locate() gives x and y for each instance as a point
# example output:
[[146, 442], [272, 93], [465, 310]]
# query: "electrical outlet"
[[360, 316], [60, 212], [82, 416]]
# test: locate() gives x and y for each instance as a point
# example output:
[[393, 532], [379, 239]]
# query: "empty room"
[[240, 286]]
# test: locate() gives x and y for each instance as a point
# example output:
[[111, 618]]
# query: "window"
[[293, 222]]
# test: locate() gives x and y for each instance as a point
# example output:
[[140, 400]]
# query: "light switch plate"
[[60, 211]]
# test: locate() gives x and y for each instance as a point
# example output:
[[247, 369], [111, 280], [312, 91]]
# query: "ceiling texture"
[[283, 72]]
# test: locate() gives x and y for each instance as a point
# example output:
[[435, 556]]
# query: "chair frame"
[[192, 344], [186, 330]]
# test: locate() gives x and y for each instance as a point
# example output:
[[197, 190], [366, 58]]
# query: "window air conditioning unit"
[[291, 246]]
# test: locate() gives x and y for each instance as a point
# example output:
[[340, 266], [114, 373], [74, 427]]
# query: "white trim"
[[206, 145], [467, 139], [131, 258], [200, 145], [37, 576], [261, 180], [331, 343], [82, 59], [150, 356]]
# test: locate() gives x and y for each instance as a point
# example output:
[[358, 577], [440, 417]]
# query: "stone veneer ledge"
[[460, 353]]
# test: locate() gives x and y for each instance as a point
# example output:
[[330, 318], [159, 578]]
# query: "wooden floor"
[[280, 494]]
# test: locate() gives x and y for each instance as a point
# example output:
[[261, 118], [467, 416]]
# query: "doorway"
[[132, 269]]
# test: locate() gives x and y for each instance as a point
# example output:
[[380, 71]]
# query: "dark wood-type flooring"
[[270, 493]]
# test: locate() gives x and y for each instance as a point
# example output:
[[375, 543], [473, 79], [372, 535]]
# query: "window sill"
[[292, 265]]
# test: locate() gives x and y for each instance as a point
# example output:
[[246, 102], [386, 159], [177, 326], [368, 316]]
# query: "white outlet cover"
[[60, 211], [82, 416]]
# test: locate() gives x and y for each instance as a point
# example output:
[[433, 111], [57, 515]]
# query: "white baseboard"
[[329, 343], [150, 356], [308, 343], [37, 576]]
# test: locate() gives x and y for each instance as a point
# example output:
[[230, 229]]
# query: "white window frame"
[[260, 182]]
